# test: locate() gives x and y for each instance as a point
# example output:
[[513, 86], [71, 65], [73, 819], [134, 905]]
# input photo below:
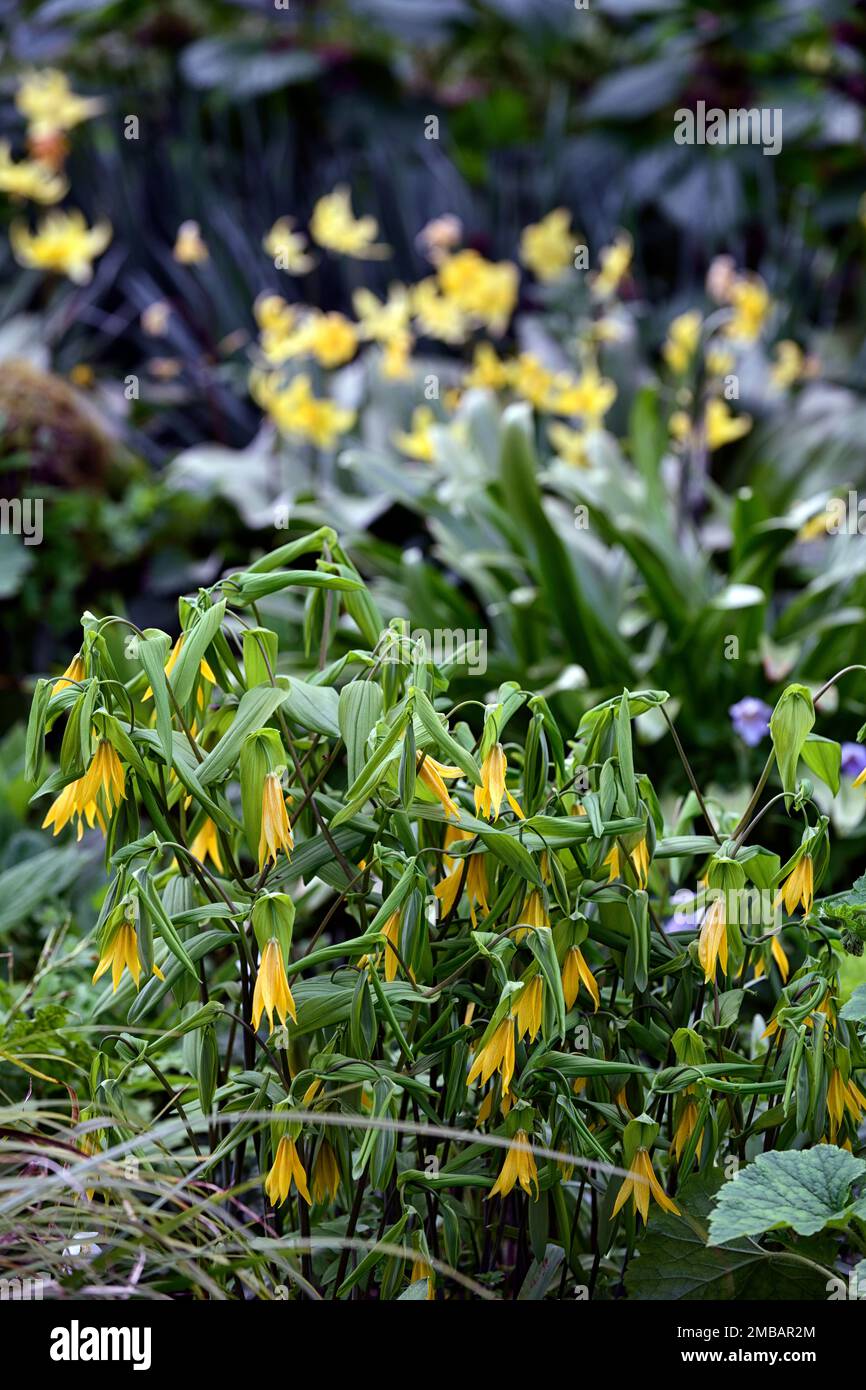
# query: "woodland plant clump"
[[398, 988]]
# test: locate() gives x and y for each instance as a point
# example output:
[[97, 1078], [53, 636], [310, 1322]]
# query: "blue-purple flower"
[[751, 719], [853, 759]]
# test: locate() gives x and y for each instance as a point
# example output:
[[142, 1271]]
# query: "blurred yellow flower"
[[63, 243], [288, 248], [547, 247], [719, 426], [683, 337], [437, 316], [382, 321], [296, 411], [487, 369], [189, 247], [532, 381], [568, 444], [751, 303], [788, 366], [417, 441], [615, 262], [48, 103], [485, 290], [30, 179], [590, 395], [334, 226]]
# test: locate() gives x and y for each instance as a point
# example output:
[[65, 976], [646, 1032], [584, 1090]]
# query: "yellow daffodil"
[[788, 365], [547, 247], [436, 315], [72, 675], [433, 774], [475, 877], [799, 887], [519, 1167], [190, 247], [63, 244], [288, 248], [488, 797], [684, 334], [296, 412], [30, 179], [528, 1010], [568, 444], [497, 1054], [713, 939], [417, 441], [272, 993], [640, 1185], [615, 262], [276, 832], [382, 321], [334, 226], [326, 1174], [574, 972], [751, 303], [590, 396], [206, 843], [488, 370], [121, 953], [48, 103], [287, 1168], [483, 290]]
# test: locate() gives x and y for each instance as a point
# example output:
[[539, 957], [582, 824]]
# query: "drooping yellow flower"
[[688, 1118], [272, 993], [432, 774], [417, 441], [640, 862], [528, 1009], [777, 951], [637, 859], [640, 1185], [497, 1054], [74, 672], [788, 366], [287, 1168], [171, 662], [488, 797], [519, 1167], [568, 444], [547, 247], [276, 832], [48, 103], [799, 887], [190, 247], [296, 412], [288, 248], [334, 226], [843, 1095], [751, 303], [684, 334], [615, 262], [713, 940], [30, 179], [63, 243], [574, 971], [533, 914], [475, 884], [391, 933], [422, 1270], [121, 953], [207, 843], [612, 864], [326, 1174]]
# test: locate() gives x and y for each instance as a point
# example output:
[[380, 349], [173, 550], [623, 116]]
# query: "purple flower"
[[751, 719], [853, 759]]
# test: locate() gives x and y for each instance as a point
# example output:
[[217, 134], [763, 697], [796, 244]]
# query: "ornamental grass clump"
[[406, 976]]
